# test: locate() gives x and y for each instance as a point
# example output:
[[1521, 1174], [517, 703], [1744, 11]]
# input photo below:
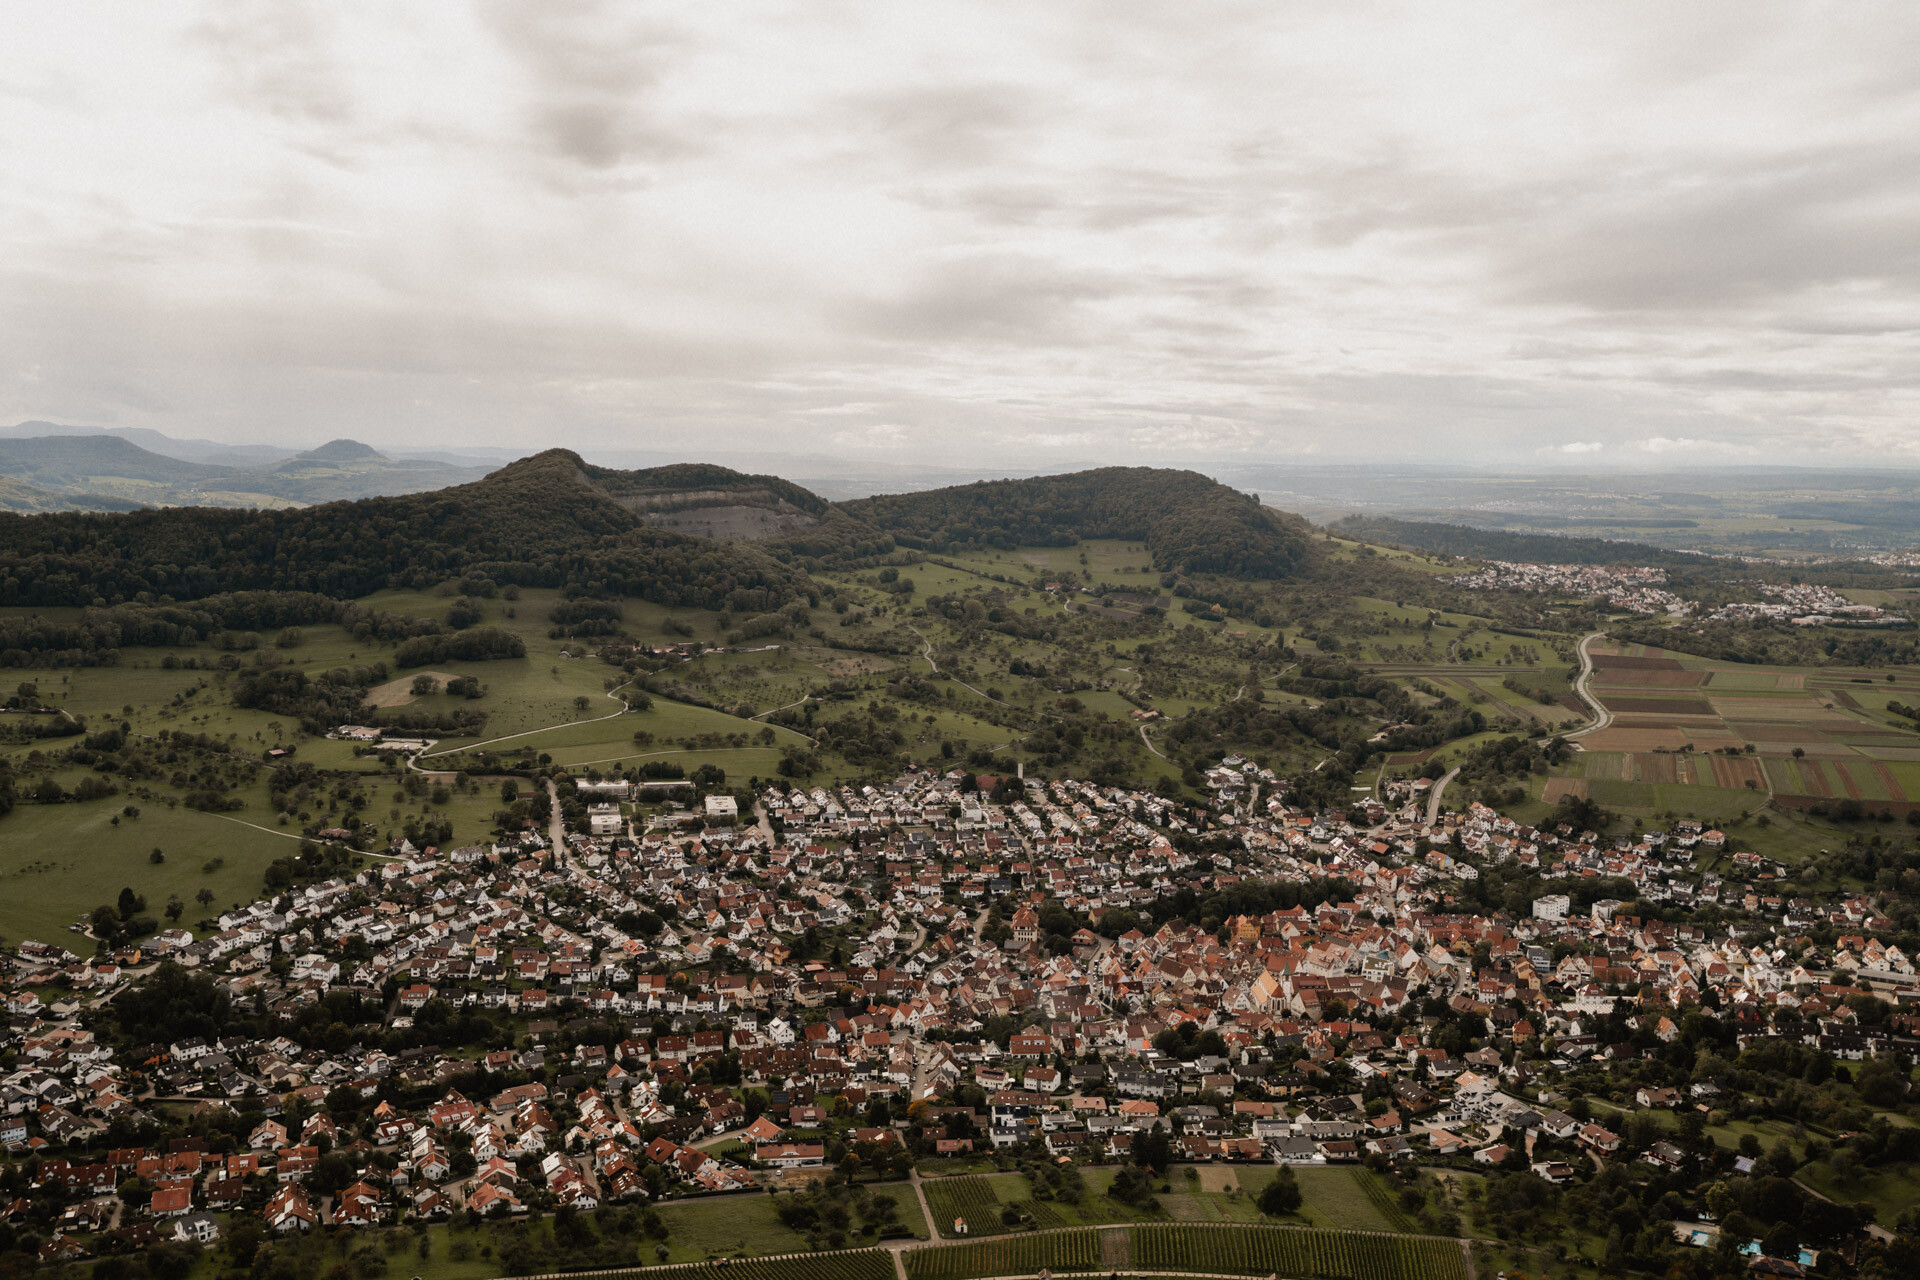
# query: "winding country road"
[[1602, 716]]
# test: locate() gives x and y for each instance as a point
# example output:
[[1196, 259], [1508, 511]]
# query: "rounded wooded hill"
[[1190, 524]]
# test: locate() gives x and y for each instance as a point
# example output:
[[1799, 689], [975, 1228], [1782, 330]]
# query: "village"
[[937, 966], [1805, 604], [1641, 590]]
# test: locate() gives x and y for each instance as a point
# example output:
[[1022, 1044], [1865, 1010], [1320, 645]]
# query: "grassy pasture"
[[59, 862]]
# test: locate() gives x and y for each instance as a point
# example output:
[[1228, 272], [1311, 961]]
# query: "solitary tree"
[[1281, 1196]]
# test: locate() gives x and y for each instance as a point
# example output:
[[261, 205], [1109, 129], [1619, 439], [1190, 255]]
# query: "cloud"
[[1549, 234], [281, 58], [985, 297], [881, 435], [592, 77], [1683, 444]]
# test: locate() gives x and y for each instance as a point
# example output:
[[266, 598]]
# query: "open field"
[[58, 862], [1340, 1196], [728, 1226]]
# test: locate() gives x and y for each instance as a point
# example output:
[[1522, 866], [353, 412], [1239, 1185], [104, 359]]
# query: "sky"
[[983, 234]]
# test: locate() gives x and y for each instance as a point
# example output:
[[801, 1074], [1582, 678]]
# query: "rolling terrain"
[[572, 616]]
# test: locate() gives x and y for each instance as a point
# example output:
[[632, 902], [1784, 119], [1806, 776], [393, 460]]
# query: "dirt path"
[[926, 1214], [927, 654], [293, 835], [1149, 741], [524, 733]]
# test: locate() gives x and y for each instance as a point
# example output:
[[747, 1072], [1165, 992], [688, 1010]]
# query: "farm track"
[[292, 835], [413, 760], [926, 653]]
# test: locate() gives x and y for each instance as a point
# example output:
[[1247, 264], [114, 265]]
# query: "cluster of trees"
[[475, 644], [1249, 897], [201, 766], [783, 622], [585, 618], [1498, 769], [870, 738], [838, 541], [237, 618], [833, 1214], [334, 697]]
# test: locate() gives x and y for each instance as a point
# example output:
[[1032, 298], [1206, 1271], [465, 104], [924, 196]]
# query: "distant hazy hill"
[[540, 521], [18, 495], [57, 462], [342, 451], [240, 456], [1188, 522], [112, 465], [1494, 544]]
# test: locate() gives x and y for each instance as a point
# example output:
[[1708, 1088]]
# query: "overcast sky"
[[1006, 234]]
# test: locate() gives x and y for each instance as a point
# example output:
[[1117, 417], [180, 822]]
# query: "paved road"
[[1439, 789], [1602, 716], [556, 826]]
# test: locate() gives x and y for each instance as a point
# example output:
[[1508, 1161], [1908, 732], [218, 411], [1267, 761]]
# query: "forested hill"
[[1189, 523], [687, 484], [541, 521], [1497, 544], [553, 520]]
